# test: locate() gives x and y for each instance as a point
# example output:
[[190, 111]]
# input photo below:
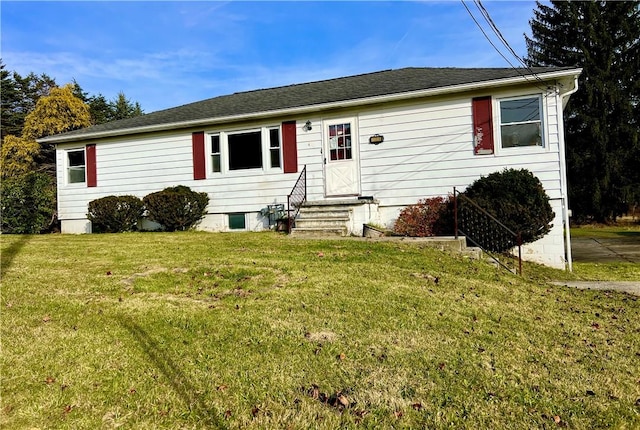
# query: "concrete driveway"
[[623, 248]]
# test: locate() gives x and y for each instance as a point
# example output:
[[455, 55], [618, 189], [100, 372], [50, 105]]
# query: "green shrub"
[[429, 217], [517, 199], [28, 203], [176, 208], [115, 214]]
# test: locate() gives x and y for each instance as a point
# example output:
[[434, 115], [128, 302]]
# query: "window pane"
[[215, 163], [215, 144], [521, 135], [76, 175], [245, 151], [237, 221], [274, 138], [275, 157], [76, 158], [521, 110]]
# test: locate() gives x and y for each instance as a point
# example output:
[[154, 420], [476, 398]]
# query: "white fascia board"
[[320, 107]]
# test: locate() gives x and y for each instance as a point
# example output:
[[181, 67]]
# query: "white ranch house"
[[373, 143]]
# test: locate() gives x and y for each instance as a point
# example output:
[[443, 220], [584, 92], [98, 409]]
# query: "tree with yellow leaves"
[[28, 168], [58, 112]]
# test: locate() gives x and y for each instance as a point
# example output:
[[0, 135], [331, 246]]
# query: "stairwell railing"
[[296, 199], [485, 231]]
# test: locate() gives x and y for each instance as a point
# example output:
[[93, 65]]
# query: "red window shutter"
[[92, 174], [197, 146], [289, 147], [482, 126]]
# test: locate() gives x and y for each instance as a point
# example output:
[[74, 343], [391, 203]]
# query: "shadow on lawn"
[[176, 378], [8, 255]]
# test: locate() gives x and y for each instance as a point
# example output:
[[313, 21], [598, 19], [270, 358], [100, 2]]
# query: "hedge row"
[[174, 208]]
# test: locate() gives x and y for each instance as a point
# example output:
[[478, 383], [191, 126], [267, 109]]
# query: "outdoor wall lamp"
[[307, 126]]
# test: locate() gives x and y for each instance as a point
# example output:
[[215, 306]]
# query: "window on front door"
[[340, 142]]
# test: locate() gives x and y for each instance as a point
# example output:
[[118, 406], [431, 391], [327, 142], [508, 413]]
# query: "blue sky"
[[165, 54]]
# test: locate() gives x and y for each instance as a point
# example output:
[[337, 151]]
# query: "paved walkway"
[[630, 287]]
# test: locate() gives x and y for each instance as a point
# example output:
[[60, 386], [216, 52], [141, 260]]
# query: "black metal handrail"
[[484, 230], [296, 198]]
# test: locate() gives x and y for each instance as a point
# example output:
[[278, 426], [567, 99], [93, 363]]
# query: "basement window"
[[76, 166], [245, 150], [521, 122], [237, 221]]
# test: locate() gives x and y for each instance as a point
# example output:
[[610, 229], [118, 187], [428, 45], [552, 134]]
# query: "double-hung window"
[[76, 167], [521, 122], [274, 147], [215, 153]]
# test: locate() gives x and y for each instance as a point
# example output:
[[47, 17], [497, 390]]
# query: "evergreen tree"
[[602, 118], [123, 108], [19, 97]]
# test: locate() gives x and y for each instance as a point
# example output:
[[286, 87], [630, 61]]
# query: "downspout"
[[564, 98]]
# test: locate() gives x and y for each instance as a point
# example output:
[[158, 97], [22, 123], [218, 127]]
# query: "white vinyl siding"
[[427, 150]]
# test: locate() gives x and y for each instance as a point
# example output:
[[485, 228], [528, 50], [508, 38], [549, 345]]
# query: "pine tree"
[[602, 118]]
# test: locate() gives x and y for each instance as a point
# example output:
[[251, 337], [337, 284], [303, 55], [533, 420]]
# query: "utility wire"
[[498, 33], [498, 50]]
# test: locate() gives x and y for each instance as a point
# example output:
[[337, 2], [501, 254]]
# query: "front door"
[[342, 176]]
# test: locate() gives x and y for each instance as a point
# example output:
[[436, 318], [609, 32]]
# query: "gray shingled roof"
[[349, 88]]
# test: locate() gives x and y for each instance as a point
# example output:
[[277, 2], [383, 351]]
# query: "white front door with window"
[[341, 172]]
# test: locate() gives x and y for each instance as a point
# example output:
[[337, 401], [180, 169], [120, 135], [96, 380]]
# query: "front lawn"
[[257, 330]]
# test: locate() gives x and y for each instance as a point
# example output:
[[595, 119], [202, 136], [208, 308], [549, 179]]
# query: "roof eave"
[[548, 76]]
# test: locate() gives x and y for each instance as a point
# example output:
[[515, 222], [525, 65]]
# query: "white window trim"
[[497, 132], [224, 150], [67, 167]]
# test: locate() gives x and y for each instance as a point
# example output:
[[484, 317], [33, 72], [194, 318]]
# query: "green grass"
[[604, 231], [200, 330]]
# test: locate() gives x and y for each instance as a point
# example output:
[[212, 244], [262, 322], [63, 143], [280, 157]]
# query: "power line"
[[498, 33], [498, 50]]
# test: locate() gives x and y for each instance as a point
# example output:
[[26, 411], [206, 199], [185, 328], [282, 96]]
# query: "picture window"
[[245, 150]]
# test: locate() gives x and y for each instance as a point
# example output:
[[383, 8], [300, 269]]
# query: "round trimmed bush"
[[176, 208], [115, 214], [517, 199]]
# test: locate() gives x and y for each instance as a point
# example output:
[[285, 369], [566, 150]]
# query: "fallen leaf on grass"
[[342, 356], [46, 318], [50, 380], [417, 406], [398, 414], [557, 419], [222, 387], [67, 409], [320, 254]]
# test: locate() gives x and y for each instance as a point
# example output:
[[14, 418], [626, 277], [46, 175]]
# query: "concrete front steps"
[[321, 219]]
